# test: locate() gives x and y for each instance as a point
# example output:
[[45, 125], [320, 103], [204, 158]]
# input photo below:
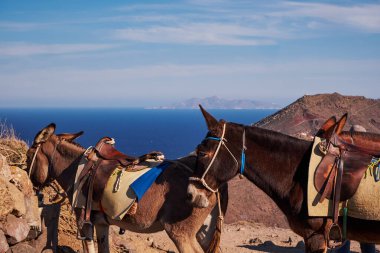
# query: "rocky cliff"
[[19, 215]]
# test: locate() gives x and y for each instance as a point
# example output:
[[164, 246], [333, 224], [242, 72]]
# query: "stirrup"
[[334, 237], [86, 232]]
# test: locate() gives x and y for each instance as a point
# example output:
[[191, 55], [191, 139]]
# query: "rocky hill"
[[304, 117]]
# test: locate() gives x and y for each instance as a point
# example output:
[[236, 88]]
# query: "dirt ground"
[[240, 237]]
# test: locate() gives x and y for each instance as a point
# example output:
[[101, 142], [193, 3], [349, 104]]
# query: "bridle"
[[222, 142]]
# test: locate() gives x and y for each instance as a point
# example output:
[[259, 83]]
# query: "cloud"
[[20, 26], [200, 33], [26, 49], [242, 23], [364, 17]]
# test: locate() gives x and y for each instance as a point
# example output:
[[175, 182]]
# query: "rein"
[[222, 141]]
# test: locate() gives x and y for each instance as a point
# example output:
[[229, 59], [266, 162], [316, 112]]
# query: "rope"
[[216, 152], [33, 160]]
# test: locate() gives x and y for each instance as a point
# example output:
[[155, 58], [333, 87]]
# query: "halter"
[[222, 141]]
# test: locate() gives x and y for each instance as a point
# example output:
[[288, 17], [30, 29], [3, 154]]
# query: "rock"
[[124, 246], [3, 242], [32, 216], [16, 229], [19, 208], [155, 245], [4, 168], [6, 200], [255, 241], [22, 248], [149, 239], [21, 180]]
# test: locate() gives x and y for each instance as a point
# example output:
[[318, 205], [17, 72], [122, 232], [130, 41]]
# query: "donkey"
[[163, 207], [278, 165]]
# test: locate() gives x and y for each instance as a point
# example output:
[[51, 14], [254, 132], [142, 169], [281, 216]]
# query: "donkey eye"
[[202, 154]]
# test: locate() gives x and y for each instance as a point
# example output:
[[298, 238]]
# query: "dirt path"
[[242, 237]]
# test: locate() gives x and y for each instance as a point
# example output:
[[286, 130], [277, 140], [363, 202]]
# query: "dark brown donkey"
[[278, 165], [163, 207]]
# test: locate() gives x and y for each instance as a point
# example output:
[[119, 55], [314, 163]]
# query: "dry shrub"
[[12, 147]]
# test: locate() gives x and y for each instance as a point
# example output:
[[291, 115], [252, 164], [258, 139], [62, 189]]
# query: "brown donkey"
[[278, 165], [163, 207]]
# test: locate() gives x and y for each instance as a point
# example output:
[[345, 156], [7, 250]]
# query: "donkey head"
[[40, 156], [218, 159]]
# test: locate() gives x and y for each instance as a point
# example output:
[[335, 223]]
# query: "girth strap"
[[337, 189]]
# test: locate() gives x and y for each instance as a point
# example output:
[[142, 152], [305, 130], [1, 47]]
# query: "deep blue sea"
[[136, 131]]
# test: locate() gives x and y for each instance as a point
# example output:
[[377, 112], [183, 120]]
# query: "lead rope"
[[33, 160], [215, 242], [219, 222]]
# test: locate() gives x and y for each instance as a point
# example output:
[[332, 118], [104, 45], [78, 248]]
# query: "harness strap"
[[337, 189], [242, 166]]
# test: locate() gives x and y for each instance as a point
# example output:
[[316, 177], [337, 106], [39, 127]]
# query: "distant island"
[[215, 102]]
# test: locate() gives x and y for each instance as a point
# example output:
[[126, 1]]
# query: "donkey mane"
[[69, 148], [268, 134]]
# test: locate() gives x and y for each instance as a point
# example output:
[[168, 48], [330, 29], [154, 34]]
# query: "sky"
[[150, 53]]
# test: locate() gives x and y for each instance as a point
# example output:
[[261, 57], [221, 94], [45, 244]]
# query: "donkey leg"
[[315, 243], [102, 233], [187, 245], [185, 241]]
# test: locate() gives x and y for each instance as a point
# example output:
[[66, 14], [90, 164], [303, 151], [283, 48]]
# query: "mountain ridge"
[[215, 102]]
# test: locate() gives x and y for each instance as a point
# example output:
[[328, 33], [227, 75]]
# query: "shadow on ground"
[[65, 249], [269, 246]]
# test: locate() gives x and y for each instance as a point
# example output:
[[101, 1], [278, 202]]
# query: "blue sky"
[[149, 53]]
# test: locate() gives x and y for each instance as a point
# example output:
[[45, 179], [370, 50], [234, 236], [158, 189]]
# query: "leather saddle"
[[340, 172], [354, 160], [101, 162]]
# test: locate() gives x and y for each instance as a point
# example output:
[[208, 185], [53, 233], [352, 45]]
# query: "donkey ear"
[[342, 121], [327, 128], [44, 134], [70, 137], [210, 120]]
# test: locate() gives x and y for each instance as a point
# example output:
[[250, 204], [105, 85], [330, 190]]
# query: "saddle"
[[339, 174], [101, 162], [353, 161]]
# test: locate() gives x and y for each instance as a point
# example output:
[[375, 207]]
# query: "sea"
[[136, 131]]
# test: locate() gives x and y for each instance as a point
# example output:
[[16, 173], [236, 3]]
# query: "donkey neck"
[[67, 161], [273, 160]]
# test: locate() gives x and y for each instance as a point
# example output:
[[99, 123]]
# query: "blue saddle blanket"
[[142, 184]]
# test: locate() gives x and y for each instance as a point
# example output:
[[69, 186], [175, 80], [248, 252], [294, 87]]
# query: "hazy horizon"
[[147, 53]]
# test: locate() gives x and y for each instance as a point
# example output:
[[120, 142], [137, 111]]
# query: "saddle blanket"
[[365, 204], [119, 194]]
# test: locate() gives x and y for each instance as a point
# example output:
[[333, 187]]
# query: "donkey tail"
[[222, 202]]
